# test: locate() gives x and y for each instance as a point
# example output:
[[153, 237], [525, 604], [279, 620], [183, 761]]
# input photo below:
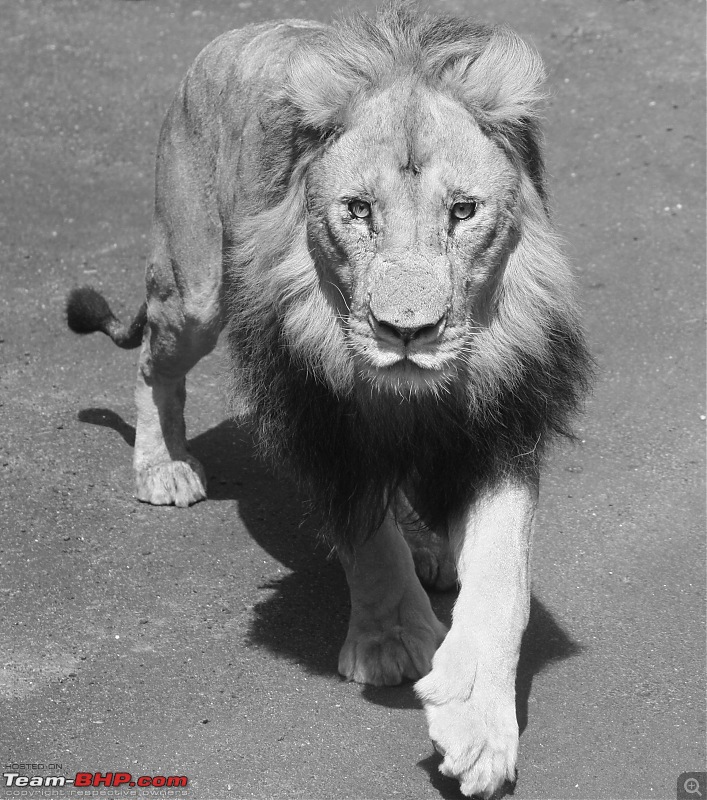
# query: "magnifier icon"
[[692, 786]]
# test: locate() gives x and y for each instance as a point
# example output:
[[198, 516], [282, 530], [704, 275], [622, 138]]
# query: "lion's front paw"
[[178, 483], [385, 652], [388, 657], [477, 739]]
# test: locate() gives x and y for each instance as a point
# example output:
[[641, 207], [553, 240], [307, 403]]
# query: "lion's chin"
[[405, 370], [404, 376]]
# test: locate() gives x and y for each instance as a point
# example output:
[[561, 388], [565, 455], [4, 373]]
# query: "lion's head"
[[402, 305]]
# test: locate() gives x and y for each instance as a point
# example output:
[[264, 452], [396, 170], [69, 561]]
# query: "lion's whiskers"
[[346, 303]]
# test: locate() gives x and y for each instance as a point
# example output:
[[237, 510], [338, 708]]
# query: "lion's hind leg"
[[393, 631], [165, 472], [184, 318], [431, 552], [432, 556], [183, 326]]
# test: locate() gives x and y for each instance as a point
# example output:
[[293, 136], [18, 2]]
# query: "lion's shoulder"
[[232, 82], [227, 102]]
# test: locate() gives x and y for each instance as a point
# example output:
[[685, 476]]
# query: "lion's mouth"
[[403, 376], [397, 366], [418, 364]]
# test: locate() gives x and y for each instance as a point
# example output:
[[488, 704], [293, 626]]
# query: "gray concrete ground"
[[203, 642]]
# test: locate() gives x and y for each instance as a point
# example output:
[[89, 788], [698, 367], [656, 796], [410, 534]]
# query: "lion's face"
[[410, 215], [402, 242]]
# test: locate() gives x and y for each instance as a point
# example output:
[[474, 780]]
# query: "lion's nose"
[[397, 332]]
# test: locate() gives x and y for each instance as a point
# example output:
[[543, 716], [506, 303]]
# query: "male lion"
[[363, 207]]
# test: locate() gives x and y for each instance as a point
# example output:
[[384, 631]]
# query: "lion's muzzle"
[[409, 300], [396, 333]]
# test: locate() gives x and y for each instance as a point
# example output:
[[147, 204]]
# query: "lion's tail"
[[87, 311]]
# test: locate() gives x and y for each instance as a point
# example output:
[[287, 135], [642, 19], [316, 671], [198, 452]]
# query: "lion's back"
[[257, 51], [233, 73], [222, 101]]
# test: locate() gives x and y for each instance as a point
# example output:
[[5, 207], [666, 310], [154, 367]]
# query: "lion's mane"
[[354, 444]]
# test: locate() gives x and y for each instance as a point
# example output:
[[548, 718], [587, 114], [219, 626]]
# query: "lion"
[[363, 208]]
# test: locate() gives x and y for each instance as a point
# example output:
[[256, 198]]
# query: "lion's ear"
[[502, 87], [504, 83], [304, 112], [319, 90]]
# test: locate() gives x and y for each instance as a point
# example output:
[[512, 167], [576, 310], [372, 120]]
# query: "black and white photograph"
[[353, 400]]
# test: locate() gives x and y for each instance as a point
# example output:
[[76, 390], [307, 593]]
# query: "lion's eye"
[[464, 210], [360, 209]]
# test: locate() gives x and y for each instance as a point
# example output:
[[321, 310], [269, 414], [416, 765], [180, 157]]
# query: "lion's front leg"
[[393, 631], [469, 696]]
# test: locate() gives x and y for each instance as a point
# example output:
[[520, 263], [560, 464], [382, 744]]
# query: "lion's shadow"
[[305, 617]]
